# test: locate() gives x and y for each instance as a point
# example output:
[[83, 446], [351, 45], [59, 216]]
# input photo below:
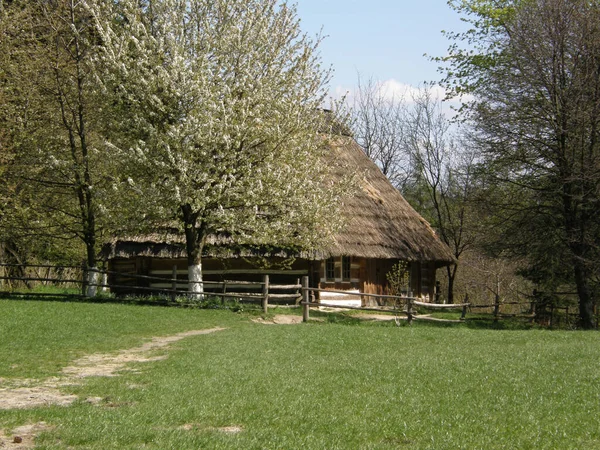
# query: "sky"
[[380, 39]]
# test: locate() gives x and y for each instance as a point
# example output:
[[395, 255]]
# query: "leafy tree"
[[220, 117], [54, 112], [533, 72]]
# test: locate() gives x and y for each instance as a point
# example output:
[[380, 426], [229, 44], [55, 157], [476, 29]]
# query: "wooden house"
[[381, 229]]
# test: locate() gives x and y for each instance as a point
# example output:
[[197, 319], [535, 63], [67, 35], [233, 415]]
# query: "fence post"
[[409, 305], [464, 310], [265, 293], [174, 283], [305, 299], [438, 289], [104, 281], [224, 292]]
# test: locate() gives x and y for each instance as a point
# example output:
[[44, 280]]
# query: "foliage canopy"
[[219, 112], [532, 71]]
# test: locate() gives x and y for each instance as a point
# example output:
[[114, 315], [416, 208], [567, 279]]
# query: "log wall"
[[213, 270], [366, 275]]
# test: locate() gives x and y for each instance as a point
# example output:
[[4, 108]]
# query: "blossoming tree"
[[220, 120]]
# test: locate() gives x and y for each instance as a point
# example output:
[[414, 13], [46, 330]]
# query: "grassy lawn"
[[323, 385]]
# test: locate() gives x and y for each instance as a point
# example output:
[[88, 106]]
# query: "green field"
[[323, 385]]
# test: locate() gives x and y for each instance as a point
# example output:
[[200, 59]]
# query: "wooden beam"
[[233, 272], [438, 306]]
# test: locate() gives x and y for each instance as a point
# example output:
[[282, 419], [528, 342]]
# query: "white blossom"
[[223, 97]]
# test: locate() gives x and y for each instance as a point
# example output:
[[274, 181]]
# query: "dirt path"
[[30, 393], [279, 319], [23, 437], [107, 365], [26, 393]]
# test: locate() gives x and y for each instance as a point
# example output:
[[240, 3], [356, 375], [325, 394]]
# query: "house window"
[[346, 268], [330, 269]]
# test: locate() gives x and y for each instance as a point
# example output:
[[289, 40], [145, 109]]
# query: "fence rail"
[[266, 293], [403, 304], [262, 292]]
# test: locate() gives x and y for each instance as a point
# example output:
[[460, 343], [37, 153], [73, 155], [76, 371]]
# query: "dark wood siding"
[[366, 275], [213, 269]]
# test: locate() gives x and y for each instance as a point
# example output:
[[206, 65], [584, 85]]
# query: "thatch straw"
[[381, 223]]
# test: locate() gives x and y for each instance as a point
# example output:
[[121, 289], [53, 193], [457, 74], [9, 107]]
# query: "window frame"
[[330, 269], [346, 268]]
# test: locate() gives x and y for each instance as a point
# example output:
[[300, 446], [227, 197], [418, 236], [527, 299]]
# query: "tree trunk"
[[451, 277], [14, 255], [576, 225], [88, 223], [586, 301], [75, 123], [196, 285], [92, 281], [90, 245], [195, 237]]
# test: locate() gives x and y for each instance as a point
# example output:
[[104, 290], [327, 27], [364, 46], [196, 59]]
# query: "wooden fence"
[[262, 292], [545, 313], [173, 290], [401, 304]]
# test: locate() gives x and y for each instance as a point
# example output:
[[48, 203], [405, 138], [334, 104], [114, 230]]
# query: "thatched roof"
[[168, 244], [380, 223]]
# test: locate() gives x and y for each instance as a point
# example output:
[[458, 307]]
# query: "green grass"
[[333, 384], [73, 289], [38, 338]]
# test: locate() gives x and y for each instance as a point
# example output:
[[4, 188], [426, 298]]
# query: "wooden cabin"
[[381, 229]]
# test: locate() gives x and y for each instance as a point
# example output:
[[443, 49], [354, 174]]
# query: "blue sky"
[[382, 39]]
